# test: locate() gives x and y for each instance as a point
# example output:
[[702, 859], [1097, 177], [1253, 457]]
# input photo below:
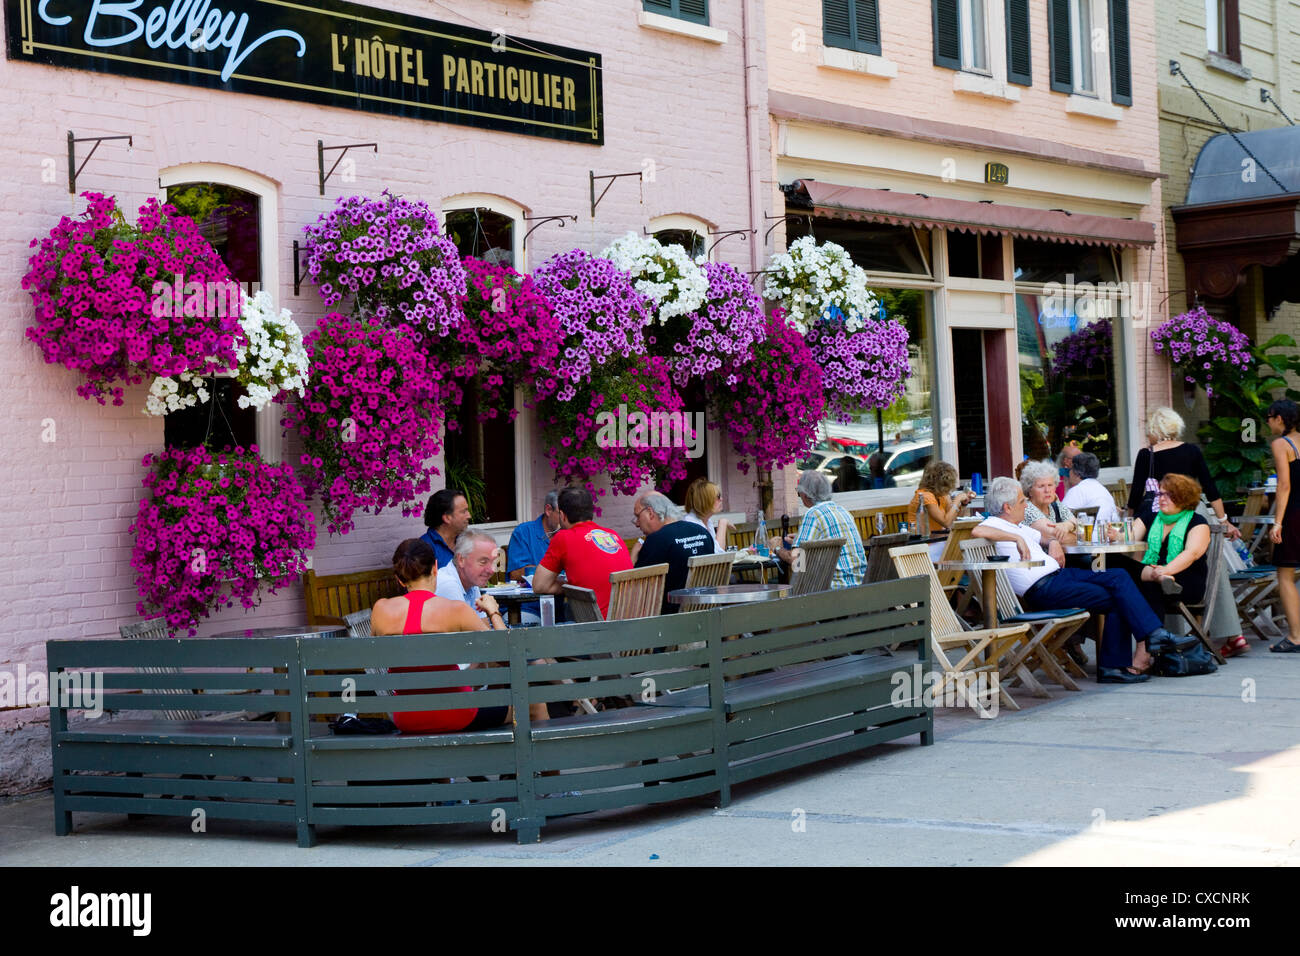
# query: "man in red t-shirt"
[[584, 551]]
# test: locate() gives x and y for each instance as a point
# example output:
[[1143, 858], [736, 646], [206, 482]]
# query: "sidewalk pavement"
[[1174, 772]]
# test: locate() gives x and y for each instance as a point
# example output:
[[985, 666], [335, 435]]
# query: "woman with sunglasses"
[[1283, 417]]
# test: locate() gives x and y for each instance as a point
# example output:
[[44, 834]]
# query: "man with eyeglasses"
[[1052, 585], [668, 540]]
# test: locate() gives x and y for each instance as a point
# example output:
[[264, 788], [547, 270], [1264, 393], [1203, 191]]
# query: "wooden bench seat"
[[741, 691]]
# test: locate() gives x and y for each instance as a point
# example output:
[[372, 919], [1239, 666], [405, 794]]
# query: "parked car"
[[906, 462]]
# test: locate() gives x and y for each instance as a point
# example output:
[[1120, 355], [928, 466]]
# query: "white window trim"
[[525, 423], [1213, 25], [269, 435], [500, 205], [678, 220], [967, 39], [685, 28], [991, 83]]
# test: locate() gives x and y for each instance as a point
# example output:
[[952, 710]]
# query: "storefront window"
[[483, 234], [873, 246], [229, 219], [1067, 374]]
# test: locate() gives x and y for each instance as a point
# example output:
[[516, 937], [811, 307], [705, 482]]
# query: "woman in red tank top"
[[421, 611]]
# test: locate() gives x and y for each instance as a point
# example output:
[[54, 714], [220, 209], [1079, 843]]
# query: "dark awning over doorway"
[[914, 209], [1237, 215]]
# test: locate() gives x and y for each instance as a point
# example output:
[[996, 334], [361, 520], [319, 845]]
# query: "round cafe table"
[[989, 580], [729, 594], [512, 601]]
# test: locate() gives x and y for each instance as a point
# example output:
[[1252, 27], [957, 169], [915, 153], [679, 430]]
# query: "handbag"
[[1189, 663], [1152, 485], [350, 724]]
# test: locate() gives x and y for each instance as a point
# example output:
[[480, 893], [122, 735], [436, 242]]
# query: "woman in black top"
[[1283, 417], [1171, 456], [1174, 567]]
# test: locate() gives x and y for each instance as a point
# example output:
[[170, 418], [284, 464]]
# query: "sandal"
[[1234, 646], [1285, 646]]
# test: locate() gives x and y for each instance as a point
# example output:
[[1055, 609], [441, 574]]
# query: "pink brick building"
[[71, 475]]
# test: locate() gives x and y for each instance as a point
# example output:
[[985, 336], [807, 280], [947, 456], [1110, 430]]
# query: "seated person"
[[528, 543], [421, 611], [1051, 519], [703, 502], [669, 539], [935, 493], [474, 559], [876, 463], [825, 519], [582, 550], [1085, 491], [846, 475], [445, 516], [1174, 565], [1053, 585]]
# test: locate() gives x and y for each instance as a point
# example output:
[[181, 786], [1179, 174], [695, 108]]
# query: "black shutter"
[[867, 20], [947, 34], [1019, 68], [1060, 54], [697, 10], [1121, 78], [836, 23], [659, 6]]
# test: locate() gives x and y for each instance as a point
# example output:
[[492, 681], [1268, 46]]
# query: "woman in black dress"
[[1169, 454], [1282, 419], [1174, 567]]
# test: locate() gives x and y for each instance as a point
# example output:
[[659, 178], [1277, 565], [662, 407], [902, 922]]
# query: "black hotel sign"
[[328, 52]]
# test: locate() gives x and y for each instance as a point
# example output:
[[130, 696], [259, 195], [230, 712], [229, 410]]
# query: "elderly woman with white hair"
[[1169, 454], [825, 519], [1051, 519]]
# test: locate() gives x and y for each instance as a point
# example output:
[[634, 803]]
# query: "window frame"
[[967, 21], [685, 221], [853, 41], [269, 434], [525, 419], [673, 8]]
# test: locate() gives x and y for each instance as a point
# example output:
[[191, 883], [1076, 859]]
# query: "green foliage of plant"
[[1235, 440], [462, 476]]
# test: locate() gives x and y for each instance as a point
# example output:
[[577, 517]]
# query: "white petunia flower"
[[666, 274], [811, 281]]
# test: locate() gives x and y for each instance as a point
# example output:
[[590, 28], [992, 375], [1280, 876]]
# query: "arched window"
[[686, 231], [484, 458], [237, 212]]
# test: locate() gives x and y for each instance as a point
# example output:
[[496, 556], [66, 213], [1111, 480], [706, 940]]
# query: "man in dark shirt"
[[445, 516], [667, 540]]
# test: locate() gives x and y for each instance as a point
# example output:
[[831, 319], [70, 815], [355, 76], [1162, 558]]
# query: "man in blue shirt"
[[527, 545], [445, 517]]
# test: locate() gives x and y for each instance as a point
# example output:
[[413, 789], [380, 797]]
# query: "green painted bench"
[[717, 697]]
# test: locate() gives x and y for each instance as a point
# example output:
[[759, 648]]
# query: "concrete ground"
[[1174, 772]]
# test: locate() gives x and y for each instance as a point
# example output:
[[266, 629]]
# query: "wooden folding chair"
[[980, 650], [1197, 614], [879, 566], [156, 629], [637, 592], [1051, 628], [819, 560], [706, 571], [951, 580]]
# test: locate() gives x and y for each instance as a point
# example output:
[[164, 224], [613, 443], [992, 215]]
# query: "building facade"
[[251, 112], [993, 164]]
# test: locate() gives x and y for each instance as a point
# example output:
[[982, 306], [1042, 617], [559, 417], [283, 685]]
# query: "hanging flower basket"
[[216, 528], [369, 419], [666, 275], [389, 255], [120, 303], [770, 405], [1202, 347], [724, 330], [867, 368], [810, 281]]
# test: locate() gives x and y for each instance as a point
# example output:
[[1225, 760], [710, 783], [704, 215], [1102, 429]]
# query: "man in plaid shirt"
[[825, 519]]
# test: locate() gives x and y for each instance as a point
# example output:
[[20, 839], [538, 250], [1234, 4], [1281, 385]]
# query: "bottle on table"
[[760, 536]]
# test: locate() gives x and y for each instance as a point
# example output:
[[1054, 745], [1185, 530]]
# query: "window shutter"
[[1232, 30], [697, 10], [947, 34], [1058, 36], [867, 20], [1019, 67], [836, 29], [658, 6], [1121, 79]]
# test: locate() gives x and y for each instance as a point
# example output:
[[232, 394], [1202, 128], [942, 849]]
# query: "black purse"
[[1151, 486], [1189, 663]]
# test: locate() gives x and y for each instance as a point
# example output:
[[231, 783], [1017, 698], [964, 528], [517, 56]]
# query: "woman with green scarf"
[[1174, 563]]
